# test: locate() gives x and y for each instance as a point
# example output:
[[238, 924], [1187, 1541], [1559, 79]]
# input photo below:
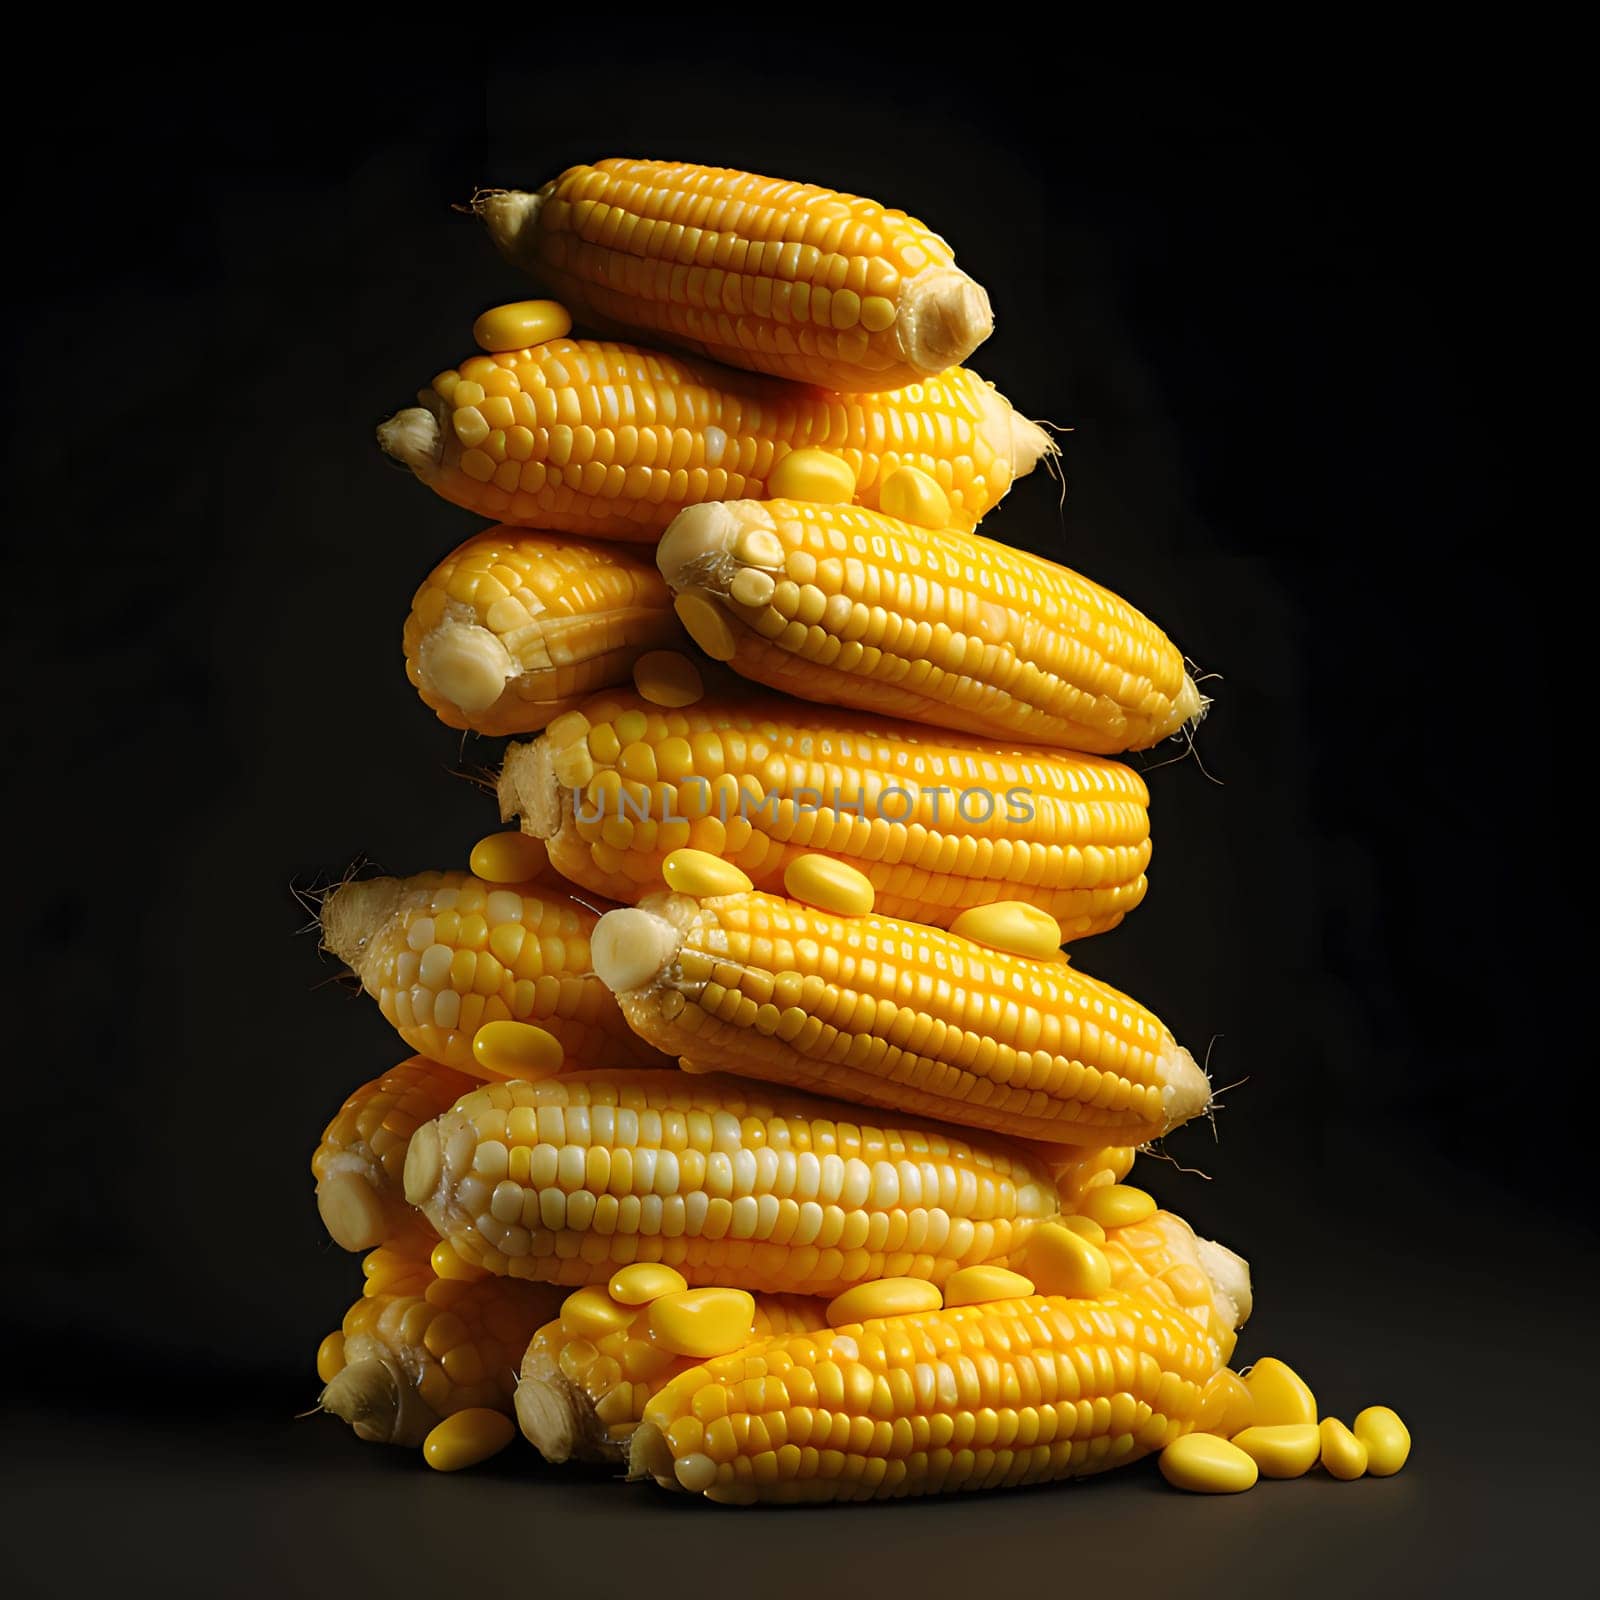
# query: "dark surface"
[[1274, 312]]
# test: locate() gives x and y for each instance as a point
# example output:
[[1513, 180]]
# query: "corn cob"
[[897, 1015], [979, 1397], [515, 627], [417, 1348], [784, 278], [729, 1182], [847, 606], [587, 1375], [361, 1159], [444, 953], [617, 784], [612, 441]]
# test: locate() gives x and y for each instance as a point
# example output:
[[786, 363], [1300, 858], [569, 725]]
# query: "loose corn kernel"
[[708, 625], [330, 1357], [977, 1286], [1343, 1455], [1387, 1439], [468, 1437], [815, 475], [1280, 1395], [911, 495], [638, 1285], [1085, 1227], [703, 875], [829, 885], [1287, 1450], [507, 1049], [1012, 925], [668, 678], [521, 325], [885, 1297], [1118, 1205], [509, 858], [703, 1322], [1205, 1464], [1061, 1261], [1226, 1407]]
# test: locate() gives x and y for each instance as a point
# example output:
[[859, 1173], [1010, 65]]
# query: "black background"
[[1277, 310]]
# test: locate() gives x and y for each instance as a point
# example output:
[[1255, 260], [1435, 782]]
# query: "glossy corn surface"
[[847, 606], [979, 1397], [612, 441], [516, 626], [444, 953], [938, 822], [729, 1182], [897, 1015], [784, 278]]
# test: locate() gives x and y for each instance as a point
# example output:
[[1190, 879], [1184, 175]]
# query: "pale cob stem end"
[[413, 436], [1003, 424], [351, 1211], [944, 316], [528, 789], [1230, 1280], [650, 1456], [510, 216], [632, 948], [558, 1419], [465, 664], [1191, 706], [1186, 1090], [375, 1398], [696, 550], [353, 914]]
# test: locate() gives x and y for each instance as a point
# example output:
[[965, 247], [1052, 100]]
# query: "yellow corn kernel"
[[884, 1297], [1085, 1227], [703, 1322], [829, 885], [509, 858], [1387, 1439], [785, 278], [507, 1049], [1012, 925], [359, 1161], [448, 1265], [592, 1314], [977, 1286], [1205, 1464], [515, 627], [644, 1282], [1288, 1450], [707, 623], [1118, 1205], [939, 627], [1343, 1455], [1061, 1261], [1280, 1395], [468, 1437], [620, 439], [702, 874], [668, 678], [939, 822], [815, 475], [520, 325], [1226, 1407], [909, 494], [330, 1357]]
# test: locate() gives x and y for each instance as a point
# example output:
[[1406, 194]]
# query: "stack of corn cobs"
[[760, 1137]]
